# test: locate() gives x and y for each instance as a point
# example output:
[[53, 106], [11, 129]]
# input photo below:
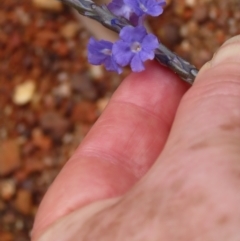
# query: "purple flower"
[[100, 52], [150, 7], [134, 47], [120, 9]]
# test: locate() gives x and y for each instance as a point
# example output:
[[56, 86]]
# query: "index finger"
[[121, 146]]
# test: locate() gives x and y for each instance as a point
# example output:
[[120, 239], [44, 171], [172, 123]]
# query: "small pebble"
[[84, 111], [70, 30], [51, 5], [190, 3], [10, 160], [54, 124], [96, 71], [23, 201], [7, 189], [23, 93], [63, 90], [40, 140]]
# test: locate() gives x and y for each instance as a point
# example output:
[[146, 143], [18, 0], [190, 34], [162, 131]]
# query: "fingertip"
[[156, 88], [227, 54]]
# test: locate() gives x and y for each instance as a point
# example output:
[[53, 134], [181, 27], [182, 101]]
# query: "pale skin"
[[161, 163]]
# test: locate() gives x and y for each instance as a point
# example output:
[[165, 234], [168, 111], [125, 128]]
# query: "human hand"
[[134, 179]]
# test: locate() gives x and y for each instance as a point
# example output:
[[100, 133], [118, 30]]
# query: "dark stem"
[[163, 55]]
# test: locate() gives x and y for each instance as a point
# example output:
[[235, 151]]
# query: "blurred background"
[[50, 96]]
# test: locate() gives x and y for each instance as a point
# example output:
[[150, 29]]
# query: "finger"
[[207, 124], [195, 181], [211, 108], [121, 146]]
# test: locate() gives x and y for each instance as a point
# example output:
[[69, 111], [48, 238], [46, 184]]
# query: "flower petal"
[[135, 20], [111, 65], [136, 64], [133, 34], [155, 11], [134, 5], [145, 55], [122, 53], [151, 7], [150, 43], [94, 55], [161, 2], [118, 8], [96, 60], [100, 52]]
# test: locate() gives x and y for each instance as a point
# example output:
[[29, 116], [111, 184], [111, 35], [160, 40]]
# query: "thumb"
[[197, 174], [209, 113], [205, 136]]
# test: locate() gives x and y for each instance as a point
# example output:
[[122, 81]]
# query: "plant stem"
[[163, 55]]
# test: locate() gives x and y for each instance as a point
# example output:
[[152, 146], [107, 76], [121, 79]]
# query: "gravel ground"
[[50, 96]]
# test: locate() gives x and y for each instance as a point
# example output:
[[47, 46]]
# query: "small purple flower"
[[100, 52], [134, 47], [120, 9], [150, 7]]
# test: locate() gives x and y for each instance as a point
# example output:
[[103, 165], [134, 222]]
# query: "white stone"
[[23, 93], [190, 3], [96, 71]]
